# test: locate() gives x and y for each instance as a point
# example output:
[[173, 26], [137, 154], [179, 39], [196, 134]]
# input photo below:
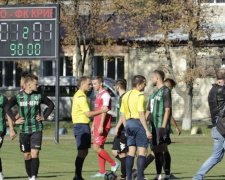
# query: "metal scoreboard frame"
[[31, 32]]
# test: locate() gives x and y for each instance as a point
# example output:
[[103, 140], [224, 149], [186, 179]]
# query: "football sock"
[[78, 165], [102, 164], [0, 164], [123, 166], [129, 166], [106, 156], [28, 167], [149, 159], [159, 162], [35, 166], [140, 166], [167, 162]]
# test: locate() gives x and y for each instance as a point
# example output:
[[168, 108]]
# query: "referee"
[[80, 116], [133, 115], [29, 101]]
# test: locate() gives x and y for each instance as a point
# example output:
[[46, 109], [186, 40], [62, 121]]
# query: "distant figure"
[[29, 101], [81, 119], [216, 100]]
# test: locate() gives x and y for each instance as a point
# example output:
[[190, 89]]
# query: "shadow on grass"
[[22, 177]]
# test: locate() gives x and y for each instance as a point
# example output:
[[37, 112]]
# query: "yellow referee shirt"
[[132, 103], [79, 107]]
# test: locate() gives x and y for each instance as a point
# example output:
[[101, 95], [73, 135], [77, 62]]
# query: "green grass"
[[57, 161]]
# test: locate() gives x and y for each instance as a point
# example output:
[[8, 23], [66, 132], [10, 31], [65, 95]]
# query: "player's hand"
[[178, 131], [115, 133], [92, 130], [148, 134], [104, 109], [19, 121], [100, 130], [12, 134], [40, 118]]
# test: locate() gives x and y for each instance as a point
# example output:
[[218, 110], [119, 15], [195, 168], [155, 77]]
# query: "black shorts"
[[30, 141], [82, 134], [120, 143], [2, 135], [160, 136]]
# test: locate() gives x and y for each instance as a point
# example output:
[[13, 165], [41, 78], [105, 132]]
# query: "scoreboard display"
[[29, 31]]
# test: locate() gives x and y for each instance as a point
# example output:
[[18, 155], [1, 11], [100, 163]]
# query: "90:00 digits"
[[31, 49]]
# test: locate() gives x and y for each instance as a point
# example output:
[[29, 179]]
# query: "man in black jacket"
[[216, 100]]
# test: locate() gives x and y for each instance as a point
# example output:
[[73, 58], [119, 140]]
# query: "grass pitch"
[[188, 152]]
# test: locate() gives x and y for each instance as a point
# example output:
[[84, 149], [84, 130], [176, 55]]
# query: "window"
[[10, 74], [66, 69], [112, 67], [215, 1]]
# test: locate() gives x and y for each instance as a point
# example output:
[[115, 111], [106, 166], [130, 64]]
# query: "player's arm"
[[7, 108], [173, 122], [95, 113], [166, 117], [142, 117], [106, 100], [50, 104], [167, 106], [119, 123], [12, 133]]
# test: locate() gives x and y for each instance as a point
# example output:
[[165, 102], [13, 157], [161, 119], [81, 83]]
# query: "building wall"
[[144, 60]]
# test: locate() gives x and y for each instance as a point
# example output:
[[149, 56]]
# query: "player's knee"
[[27, 156]]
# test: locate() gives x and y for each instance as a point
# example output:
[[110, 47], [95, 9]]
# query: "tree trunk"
[[79, 72], [90, 61], [187, 116]]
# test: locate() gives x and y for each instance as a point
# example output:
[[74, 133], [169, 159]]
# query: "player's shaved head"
[[160, 74], [83, 79], [137, 80], [30, 77]]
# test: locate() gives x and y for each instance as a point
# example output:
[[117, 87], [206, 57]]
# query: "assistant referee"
[[80, 117]]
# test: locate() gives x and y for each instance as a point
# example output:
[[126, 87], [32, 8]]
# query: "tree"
[[163, 17], [86, 24]]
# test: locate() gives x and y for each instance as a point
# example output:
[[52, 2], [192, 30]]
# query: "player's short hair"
[[160, 73], [30, 77], [171, 81], [220, 74], [99, 78], [122, 83], [83, 79], [24, 74], [138, 79]]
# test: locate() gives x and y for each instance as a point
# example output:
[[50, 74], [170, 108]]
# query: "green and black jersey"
[[3, 101], [29, 106], [118, 108], [158, 101]]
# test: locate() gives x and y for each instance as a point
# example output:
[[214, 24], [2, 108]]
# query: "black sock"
[[34, 166], [140, 167], [0, 165], [167, 162], [129, 166], [159, 162], [79, 165], [123, 166], [149, 159], [28, 167]]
